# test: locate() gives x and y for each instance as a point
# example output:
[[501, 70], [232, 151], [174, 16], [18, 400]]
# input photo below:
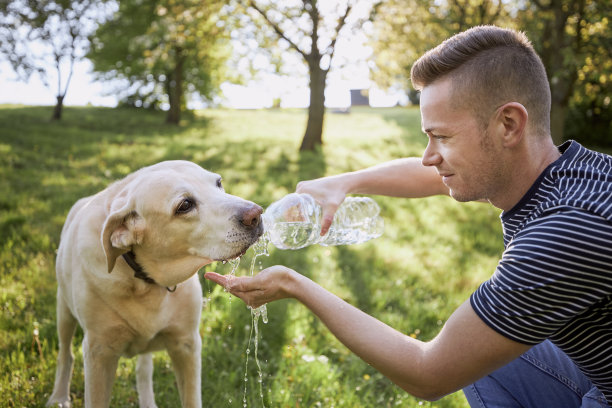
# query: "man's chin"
[[462, 197]]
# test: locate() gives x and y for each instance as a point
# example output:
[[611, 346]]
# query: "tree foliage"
[[165, 49], [574, 40], [589, 118], [405, 29], [46, 38]]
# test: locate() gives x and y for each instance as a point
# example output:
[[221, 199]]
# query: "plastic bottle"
[[294, 222]]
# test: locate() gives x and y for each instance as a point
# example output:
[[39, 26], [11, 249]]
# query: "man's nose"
[[431, 157]]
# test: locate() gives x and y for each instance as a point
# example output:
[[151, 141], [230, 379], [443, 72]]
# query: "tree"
[[310, 28], [165, 49], [589, 116], [42, 36]]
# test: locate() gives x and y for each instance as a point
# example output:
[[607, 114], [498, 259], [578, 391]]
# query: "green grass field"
[[433, 254]]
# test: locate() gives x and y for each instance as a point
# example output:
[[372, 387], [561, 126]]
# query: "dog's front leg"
[[100, 362], [144, 381], [185, 353]]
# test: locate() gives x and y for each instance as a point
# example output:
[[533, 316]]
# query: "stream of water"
[[259, 248]]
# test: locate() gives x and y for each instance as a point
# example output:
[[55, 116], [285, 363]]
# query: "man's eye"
[[185, 206]]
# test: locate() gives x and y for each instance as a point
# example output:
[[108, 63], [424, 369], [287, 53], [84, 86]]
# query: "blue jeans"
[[542, 377]]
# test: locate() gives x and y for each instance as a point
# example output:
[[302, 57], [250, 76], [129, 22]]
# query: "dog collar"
[[139, 272]]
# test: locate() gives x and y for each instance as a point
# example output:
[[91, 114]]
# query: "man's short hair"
[[488, 67]]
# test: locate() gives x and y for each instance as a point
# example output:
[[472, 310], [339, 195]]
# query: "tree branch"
[[277, 29], [313, 12], [331, 49], [461, 18], [495, 15], [73, 57]]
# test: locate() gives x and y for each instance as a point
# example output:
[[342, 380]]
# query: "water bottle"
[[294, 222]]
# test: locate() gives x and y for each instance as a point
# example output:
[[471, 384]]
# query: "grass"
[[433, 254]]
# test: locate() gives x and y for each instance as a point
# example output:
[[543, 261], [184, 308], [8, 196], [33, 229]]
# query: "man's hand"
[[271, 284], [328, 193]]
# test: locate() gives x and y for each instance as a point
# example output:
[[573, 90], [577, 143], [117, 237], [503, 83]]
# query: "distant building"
[[360, 97]]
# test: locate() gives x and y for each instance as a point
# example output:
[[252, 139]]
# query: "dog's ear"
[[122, 229]]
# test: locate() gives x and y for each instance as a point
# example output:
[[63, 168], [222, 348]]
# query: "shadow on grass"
[[312, 164], [356, 266]]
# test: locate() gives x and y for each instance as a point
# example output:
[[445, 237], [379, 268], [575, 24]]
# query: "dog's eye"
[[185, 206], [219, 185]]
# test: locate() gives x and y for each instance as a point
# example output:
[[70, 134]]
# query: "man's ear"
[[122, 229], [513, 117]]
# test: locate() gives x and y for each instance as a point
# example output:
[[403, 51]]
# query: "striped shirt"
[[554, 280]]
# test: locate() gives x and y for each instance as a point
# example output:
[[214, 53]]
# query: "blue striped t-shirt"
[[554, 280]]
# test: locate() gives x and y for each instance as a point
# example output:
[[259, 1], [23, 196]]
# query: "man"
[[538, 333]]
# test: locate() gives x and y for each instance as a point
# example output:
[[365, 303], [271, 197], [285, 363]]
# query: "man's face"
[[462, 151]]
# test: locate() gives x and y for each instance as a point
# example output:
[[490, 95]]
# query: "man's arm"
[[406, 178], [466, 348], [398, 178]]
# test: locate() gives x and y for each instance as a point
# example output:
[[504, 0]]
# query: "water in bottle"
[[295, 222]]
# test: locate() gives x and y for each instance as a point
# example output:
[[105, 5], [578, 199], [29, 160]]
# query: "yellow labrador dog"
[[126, 269]]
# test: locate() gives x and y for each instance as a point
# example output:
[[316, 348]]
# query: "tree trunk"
[[313, 136], [59, 106], [562, 87], [557, 122], [175, 90]]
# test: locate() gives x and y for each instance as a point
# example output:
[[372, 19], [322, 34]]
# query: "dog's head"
[[176, 217]]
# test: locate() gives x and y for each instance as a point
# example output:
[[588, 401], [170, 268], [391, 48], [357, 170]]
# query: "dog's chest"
[[154, 323], [141, 345], [150, 332]]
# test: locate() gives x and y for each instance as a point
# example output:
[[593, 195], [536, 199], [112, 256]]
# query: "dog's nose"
[[251, 217]]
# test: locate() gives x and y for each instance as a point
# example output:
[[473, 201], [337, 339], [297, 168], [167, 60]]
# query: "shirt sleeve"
[[555, 269]]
